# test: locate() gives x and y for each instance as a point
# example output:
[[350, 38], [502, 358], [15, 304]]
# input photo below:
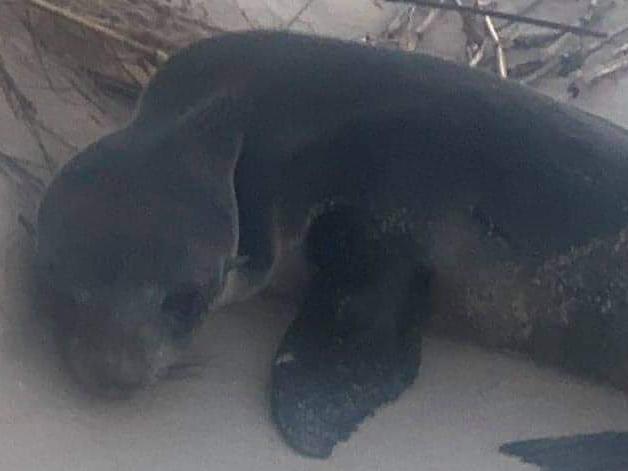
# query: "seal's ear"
[[235, 262], [216, 156], [213, 133]]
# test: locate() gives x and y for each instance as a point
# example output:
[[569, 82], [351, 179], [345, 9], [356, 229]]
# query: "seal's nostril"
[[110, 362], [121, 379], [109, 373], [184, 306]]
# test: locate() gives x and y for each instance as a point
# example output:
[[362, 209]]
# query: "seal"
[[515, 200]]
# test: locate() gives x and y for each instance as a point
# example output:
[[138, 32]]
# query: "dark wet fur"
[[356, 342], [607, 451]]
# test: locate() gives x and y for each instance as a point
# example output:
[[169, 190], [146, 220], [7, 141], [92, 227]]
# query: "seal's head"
[[134, 236]]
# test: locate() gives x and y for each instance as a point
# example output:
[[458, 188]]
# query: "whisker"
[[188, 368]]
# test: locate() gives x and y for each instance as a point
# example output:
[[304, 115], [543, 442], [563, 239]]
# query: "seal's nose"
[[123, 370], [110, 364]]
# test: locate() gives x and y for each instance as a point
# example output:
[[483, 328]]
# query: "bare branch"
[[478, 55], [524, 11], [19, 103], [157, 55], [16, 167], [28, 226], [589, 80], [507, 16], [427, 22], [298, 14], [502, 65]]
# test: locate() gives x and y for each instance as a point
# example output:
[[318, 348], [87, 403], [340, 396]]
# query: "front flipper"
[[606, 451], [356, 341]]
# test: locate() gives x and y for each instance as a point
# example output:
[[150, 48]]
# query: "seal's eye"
[[185, 306]]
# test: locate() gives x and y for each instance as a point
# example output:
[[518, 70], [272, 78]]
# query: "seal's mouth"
[[186, 368], [114, 354], [103, 378], [119, 370], [114, 385]]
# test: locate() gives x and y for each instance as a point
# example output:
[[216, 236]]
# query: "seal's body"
[[493, 141], [238, 138], [505, 189]]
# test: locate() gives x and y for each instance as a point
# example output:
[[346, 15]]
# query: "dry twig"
[[523, 12], [16, 169], [24, 110], [28, 226], [156, 55], [581, 31], [551, 60], [476, 57], [535, 40], [298, 14], [612, 36], [568, 57], [590, 79], [19, 103], [422, 27], [502, 66]]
